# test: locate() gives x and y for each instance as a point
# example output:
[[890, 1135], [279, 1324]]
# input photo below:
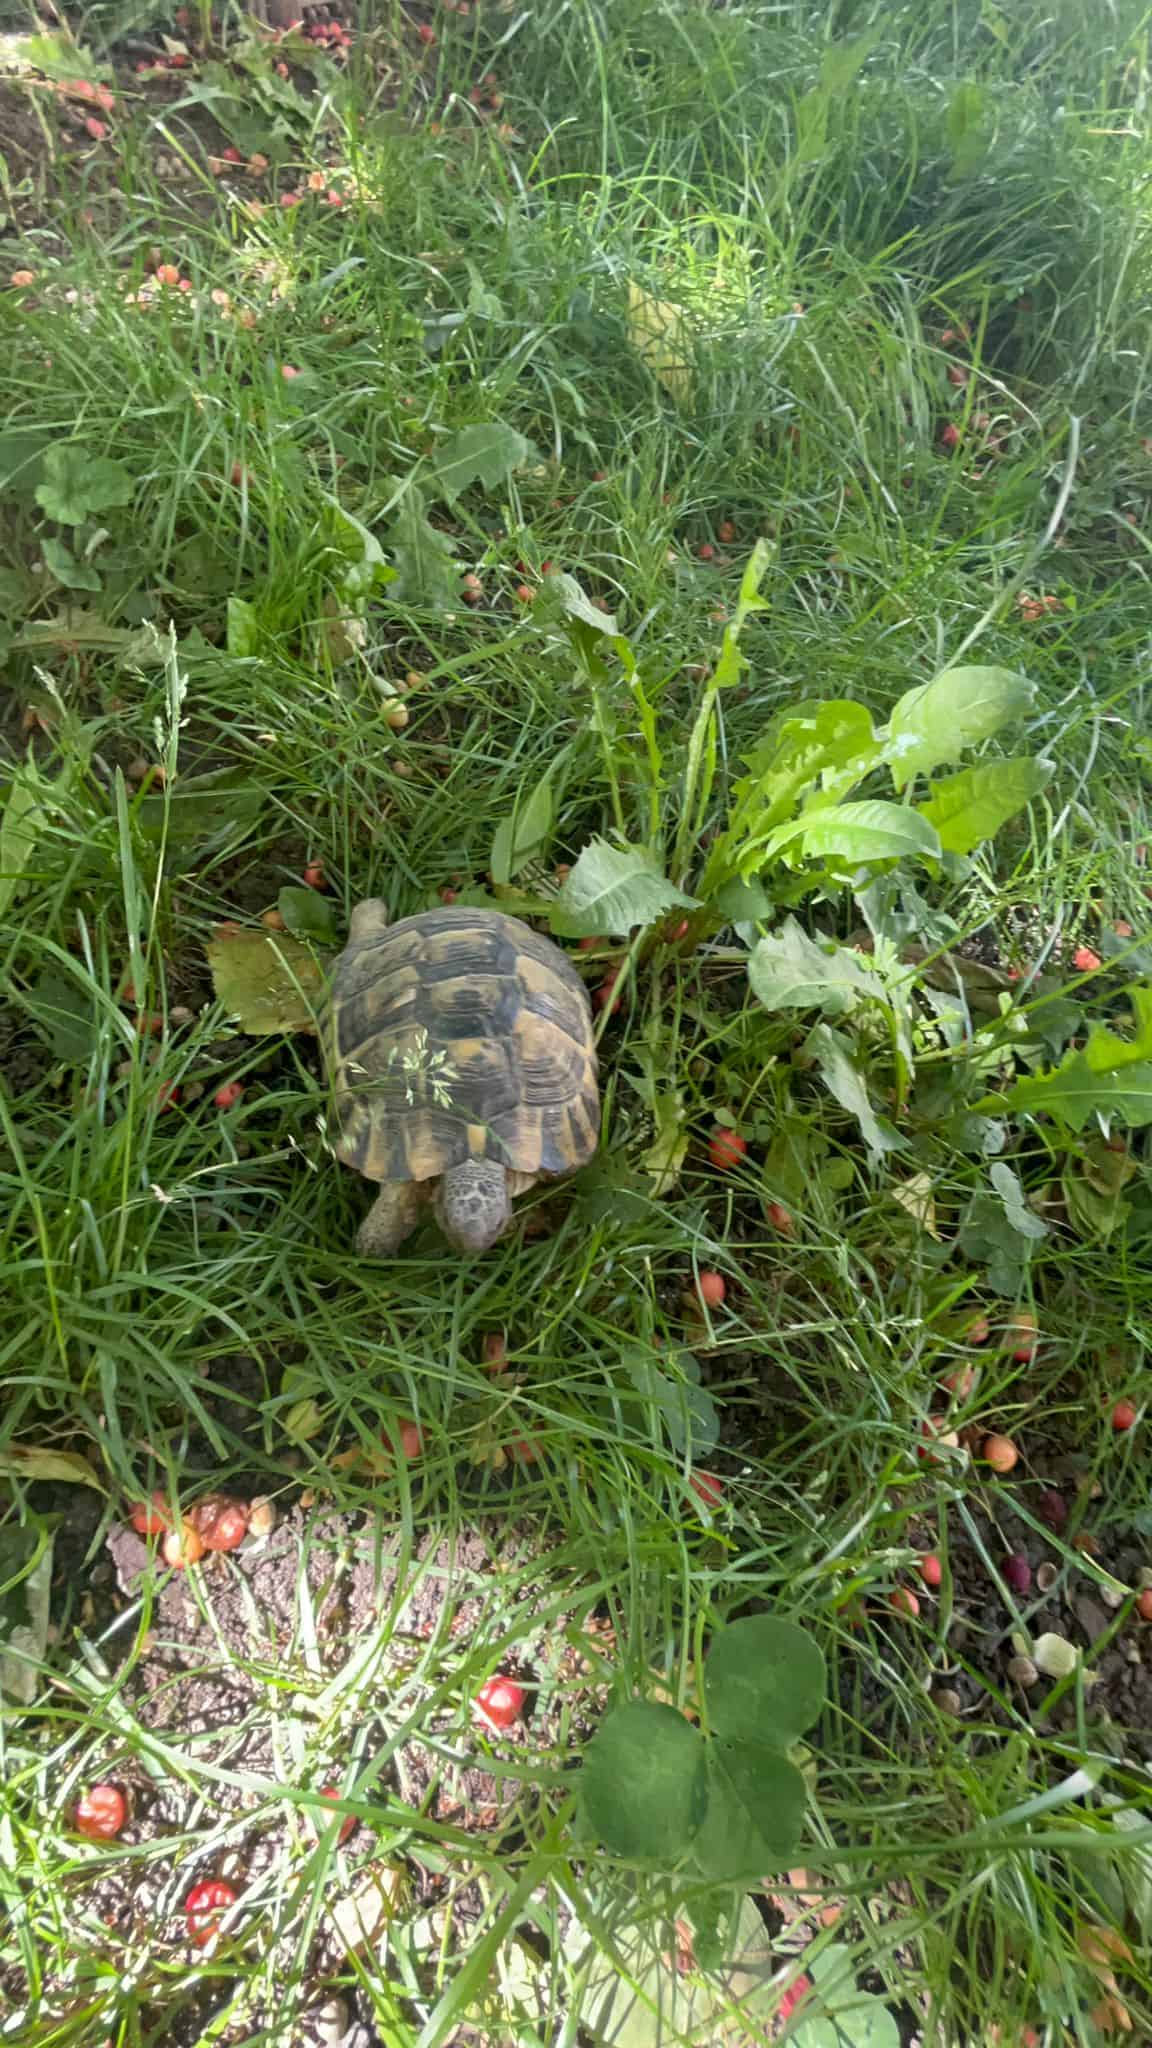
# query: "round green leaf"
[[764, 1681], [755, 1812], [642, 1784]]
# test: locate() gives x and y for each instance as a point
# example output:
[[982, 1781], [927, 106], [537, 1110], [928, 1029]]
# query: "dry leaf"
[[660, 336], [30, 1461], [917, 1197], [358, 1918], [268, 981]]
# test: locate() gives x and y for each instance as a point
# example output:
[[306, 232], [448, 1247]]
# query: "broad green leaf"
[[764, 1680], [1074, 1092], [827, 746], [642, 1781], [611, 889], [742, 902], [686, 1408], [268, 981], [755, 1811], [77, 484], [20, 828], [62, 1007], [1024, 1220], [842, 62], [25, 1613], [308, 914], [57, 55], [863, 2023], [1105, 1050], [427, 571], [970, 127], [833, 1055], [957, 709], [243, 631], [858, 833], [73, 575], [76, 630], [522, 837], [790, 971], [201, 811], [972, 805], [662, 339], [40, 1461], [484, 454], [575, 603]]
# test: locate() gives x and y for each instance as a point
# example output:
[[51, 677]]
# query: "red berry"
[[904, 1601], [1144, 1604], [706, 551], [151, 1518], [167, 1095], [350, 1823], [1017, 1573], [1085, 961], [221, 1524], [314, 875], [961, 1382], [525, 593], [410, 1437], [1023, 1331], [1053, 1509], [426, 34], [1000, 1452], [708, 1487], [524, 1450], [231, 154], [793, 1996], [726, 1148], [182, 1547], [950, 435], [101, 1813], [1123, 1415], [288, 371], [726, 531], [203, 1908], [606, 993], [780, 1218], [447, 894], [97, 129], [930, 1569], [495, 1351], [935, 1430], [711, 1288], [499, 1702], [228, 1096], [1122, 928]]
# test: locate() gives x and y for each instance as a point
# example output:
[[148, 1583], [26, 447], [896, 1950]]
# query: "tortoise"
[[464, 1069]]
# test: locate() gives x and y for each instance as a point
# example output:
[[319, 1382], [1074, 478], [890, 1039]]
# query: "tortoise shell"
[[459, 1034]]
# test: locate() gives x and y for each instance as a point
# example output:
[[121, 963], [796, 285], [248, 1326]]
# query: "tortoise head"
[[474, 1205]]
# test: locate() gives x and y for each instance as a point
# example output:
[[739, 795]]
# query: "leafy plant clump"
[[727, 1794]]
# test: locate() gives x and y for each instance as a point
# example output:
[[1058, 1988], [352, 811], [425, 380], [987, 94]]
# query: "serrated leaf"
[[308, 914], [764, 1680], [484, 454], [63, 1010], [77, 629], [861, 832], [77, 484], [39, 1461], [25, 1613], [1073, 1092], [971, 806], [1022, 1219], [756, 1801], [661, 337], [612, 889], [575, 603], [642, 1782], [268, 981], [789, 970], [73, 575], [959, 708], [427, 570], [20, 828], [826, 745], [833, 1055], [522, 837]]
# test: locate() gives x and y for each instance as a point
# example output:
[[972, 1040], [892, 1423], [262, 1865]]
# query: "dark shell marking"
[[510, 1017]]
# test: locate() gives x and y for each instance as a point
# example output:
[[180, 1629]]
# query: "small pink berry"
[[1085, 961], [288, 371]]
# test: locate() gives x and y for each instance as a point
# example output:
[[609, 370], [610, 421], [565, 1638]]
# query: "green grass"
[[817, 249]]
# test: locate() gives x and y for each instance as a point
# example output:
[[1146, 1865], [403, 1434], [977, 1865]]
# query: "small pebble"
[[328, 2023], [947, 1700], [1022, 1671]]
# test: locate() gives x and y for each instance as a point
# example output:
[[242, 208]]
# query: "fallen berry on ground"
[[101, 1813], [228, 1096], [151, 1518], [1017, 1573], [779, 1217], [495, 1351], [711, 1288], [930, 1569], [314, 875], [182, 1547], [1023, 1331], [1085, 961], [904, 1601], [708, 1487], [220, 1523], [350, 1823], [1000, 1452], [204, 1908], [1144, 1604], [1123, 1415], [726, 1148], [499, 1703]]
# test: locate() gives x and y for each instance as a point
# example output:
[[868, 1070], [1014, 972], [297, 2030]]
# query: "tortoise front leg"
[[393, 1217]]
